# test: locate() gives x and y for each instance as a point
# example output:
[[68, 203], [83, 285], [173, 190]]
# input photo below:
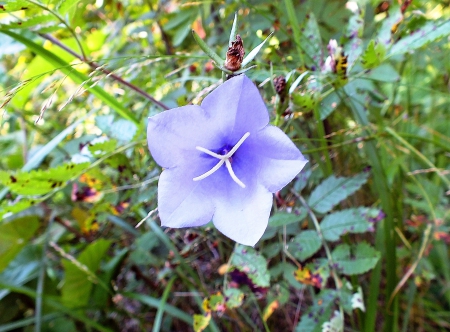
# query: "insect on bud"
[[235, 55]]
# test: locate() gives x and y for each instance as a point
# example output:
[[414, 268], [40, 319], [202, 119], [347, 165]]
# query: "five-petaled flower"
[[222, 161]]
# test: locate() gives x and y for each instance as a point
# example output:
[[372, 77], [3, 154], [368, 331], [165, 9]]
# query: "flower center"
[[223, 159]]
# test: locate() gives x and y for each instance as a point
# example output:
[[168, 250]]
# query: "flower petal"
[[173, 135], [237, 107], [242, 214], [183, 202], [274, 158]]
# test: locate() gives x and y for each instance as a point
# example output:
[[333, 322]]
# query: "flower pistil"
[[223, 159]]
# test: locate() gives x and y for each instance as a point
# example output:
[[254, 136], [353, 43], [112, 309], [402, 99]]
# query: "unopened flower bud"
[[280, 84], [235, 55]]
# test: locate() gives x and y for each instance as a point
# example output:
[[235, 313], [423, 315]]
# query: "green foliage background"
[[358, 242]]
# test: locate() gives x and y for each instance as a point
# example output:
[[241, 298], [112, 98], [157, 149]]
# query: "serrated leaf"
[[12, 208], [40, 182], [15, 5], [333, 190], [247, 260], [77, 287], [430, 32], [356, 259], [373, 55], [101, 148], [233, 297], [336, 324], [14, 235], [305, 244], [347, 221], [319, 313], [37, 21], [284, 218]]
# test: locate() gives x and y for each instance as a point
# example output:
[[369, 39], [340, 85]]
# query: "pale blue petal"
[[242, 214], [183, 202], [173, 135], [237, 107], [274, 159]]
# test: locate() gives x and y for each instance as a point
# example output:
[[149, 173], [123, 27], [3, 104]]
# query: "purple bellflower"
[[222, 161]]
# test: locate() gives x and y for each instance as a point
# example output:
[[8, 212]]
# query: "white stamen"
[[212, 154], [233, 176], [223, 159], [238, 144], [211, 171]]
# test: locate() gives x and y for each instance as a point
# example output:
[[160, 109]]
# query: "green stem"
[[63, 22], [325, 245], [162, 304], [385, 236]]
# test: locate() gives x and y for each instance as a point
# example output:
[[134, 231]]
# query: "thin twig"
[[96, 66]]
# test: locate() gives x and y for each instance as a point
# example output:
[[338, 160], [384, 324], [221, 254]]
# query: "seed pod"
[[235, 55]]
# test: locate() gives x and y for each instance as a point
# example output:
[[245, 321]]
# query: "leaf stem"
[[313, 217]]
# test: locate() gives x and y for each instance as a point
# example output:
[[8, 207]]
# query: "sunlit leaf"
[[14, 235]]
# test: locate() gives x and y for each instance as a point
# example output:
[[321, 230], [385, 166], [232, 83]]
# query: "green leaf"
[[233, 297], [213, 55], [41, 21], [395, 16], [284, 218], [333, 190], [247, 260], [102, 148], [63, 6], [357, 259], [16, 5], [77, 287], [311, 42], [430, 32], [233, 31], [181, 33], [347, 221], [14, 235], [329, 104], [305, 244], [254, 52], [41, 182], [22, 269], [201, 322], [123, 130], [318, 313], [352, 37], [8, 208], [373, 55]]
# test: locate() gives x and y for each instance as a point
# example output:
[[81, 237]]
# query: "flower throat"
[[224, 158]]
